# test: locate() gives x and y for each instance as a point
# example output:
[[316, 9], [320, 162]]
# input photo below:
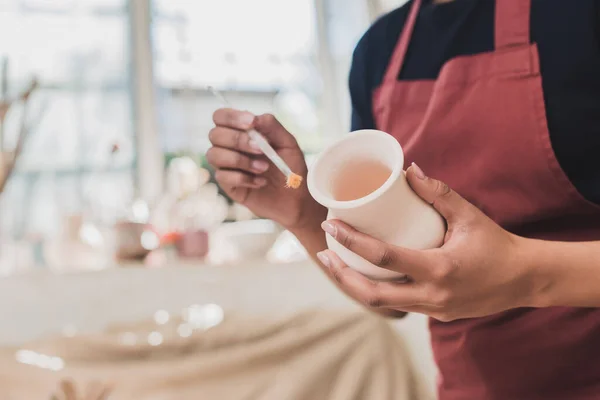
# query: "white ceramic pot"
[[244, 240], [361, 180]]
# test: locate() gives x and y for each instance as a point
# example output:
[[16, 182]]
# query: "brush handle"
[[268, 151], [262, 143]]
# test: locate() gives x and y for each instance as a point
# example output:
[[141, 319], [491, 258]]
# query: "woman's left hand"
[[478, 271]]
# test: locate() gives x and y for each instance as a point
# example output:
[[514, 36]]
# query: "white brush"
[[292, 180]]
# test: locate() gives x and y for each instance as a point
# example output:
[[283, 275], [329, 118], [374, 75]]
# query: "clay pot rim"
[[331, 203]]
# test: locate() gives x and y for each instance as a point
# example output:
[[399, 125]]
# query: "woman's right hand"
[[250, 179]]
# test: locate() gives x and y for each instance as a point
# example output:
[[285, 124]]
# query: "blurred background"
[[133, 74], [105, 115]]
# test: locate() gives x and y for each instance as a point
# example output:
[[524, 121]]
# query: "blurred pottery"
[[192, 245], [134, 240]]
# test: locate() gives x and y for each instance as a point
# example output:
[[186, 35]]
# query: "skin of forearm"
[[567, 273]]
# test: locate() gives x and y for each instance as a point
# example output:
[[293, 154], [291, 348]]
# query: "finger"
[[274, 132], [232, 139], [220, 158], [99, 392], [235, 119], [104, 394], [445, 200], [68, 389], [370, 293], [391, 313], [239, 179], [409, 310], [237, 194], [414, 263], [93, 392]]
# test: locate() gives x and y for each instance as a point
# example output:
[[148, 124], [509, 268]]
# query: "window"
[[286, 57], [263, 56], [79, 51]]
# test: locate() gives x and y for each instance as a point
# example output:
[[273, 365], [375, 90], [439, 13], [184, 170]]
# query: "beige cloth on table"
[[308, 356]]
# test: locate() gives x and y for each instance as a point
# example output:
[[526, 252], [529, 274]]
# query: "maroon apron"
[[481, 127]]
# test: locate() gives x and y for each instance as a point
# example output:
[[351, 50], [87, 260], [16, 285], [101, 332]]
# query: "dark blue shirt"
[[567, 33]]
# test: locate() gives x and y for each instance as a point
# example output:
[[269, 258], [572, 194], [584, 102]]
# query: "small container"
[[192, 244], [129, 240], [361, 180]]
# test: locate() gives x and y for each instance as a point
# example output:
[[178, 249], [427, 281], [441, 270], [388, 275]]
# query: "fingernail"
[[246, 119], [322, 256], [329, 228], [254, 145], [260, 181], [260, 165], [418, 171]]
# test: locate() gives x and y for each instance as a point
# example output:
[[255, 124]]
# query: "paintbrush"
[[292, 180]]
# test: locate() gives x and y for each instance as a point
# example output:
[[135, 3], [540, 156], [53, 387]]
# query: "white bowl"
[[244, 240]]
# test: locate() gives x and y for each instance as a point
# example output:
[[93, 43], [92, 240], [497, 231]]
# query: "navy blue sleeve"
[[360, 88]]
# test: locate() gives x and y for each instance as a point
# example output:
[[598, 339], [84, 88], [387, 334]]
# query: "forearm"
[[312, 238], [568, 272]]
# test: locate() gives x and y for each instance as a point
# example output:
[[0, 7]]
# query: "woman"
[[500, 101]]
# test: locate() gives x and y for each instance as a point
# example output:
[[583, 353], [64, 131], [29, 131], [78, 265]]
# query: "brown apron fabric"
[[481, 127]]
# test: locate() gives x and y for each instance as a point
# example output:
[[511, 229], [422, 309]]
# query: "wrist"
[[538, 258], [309, 220]]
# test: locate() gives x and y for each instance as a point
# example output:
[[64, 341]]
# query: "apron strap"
[[397, 61], [512, 28], [512, 25]]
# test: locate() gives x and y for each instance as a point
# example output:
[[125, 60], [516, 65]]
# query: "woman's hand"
[[248, 177], [477, 272]]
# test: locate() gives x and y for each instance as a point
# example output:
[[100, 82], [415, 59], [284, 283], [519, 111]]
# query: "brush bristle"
[[293, 181]]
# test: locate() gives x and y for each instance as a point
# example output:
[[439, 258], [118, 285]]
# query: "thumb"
[[445, 200], [274, 132]]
